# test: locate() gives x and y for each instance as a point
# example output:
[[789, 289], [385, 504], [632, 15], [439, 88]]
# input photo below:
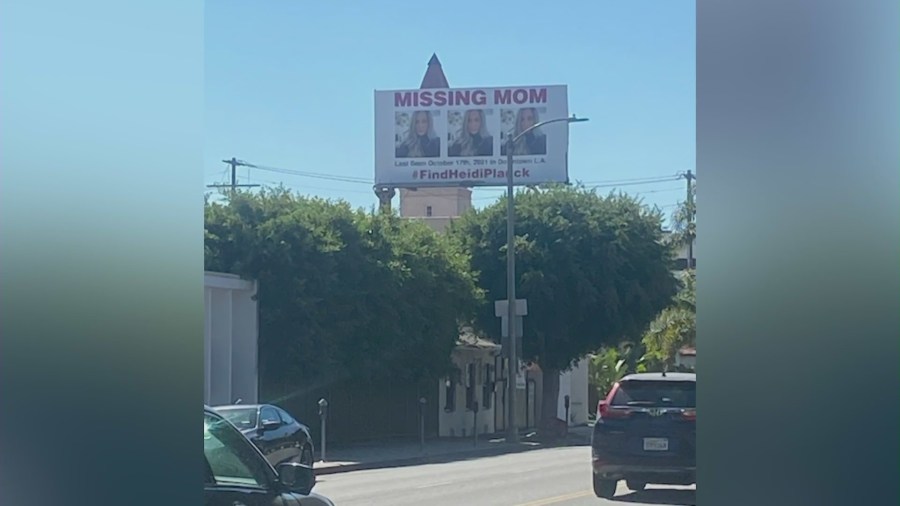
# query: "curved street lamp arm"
[[571, 119]]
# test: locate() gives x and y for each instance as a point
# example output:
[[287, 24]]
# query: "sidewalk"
[[396, 454]]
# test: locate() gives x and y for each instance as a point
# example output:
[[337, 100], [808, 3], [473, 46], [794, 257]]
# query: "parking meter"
[[323, 414]]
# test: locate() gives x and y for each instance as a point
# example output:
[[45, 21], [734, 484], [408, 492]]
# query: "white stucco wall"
[[230, 340], [460, 421], [686, 360], [574, 383]]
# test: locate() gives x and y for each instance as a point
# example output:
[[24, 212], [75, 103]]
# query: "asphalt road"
[[554, 476]]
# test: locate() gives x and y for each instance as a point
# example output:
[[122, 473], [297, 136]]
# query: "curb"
[[435, 458], [425, 459]]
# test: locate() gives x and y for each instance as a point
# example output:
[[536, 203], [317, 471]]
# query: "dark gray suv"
[[646, 433]]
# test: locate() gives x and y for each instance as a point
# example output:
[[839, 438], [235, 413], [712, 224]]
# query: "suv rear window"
[[680, 394]]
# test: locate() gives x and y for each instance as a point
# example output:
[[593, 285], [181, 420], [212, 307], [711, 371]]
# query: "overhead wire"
[[596, 184], [271, 182], [315, 175], [649, 179]]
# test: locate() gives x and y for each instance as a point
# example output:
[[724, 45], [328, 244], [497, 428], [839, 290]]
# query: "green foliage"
[[675, 327], [594, 269], [605, 369], [342, 293], [684, 225]]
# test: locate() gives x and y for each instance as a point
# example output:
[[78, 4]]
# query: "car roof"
[[658, 376], [239, 406]]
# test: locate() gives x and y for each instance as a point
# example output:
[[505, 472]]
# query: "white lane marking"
[[438, 484]]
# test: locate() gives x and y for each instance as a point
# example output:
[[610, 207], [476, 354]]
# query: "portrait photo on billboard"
[[516, 121], [468, 133], [415, 135]]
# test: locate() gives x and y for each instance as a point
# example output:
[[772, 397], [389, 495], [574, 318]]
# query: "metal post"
[[567, 414], [475, 421], [323, 415], [422, 402], [512, 429]]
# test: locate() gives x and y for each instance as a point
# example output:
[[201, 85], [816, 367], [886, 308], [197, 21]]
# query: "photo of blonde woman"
[[532, 143], [473, 138], [416, 137]]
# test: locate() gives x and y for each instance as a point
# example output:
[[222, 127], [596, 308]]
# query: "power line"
[[658, 191], [316, 175], [635, 183], [649, 179], [610, 183], [322, 188]]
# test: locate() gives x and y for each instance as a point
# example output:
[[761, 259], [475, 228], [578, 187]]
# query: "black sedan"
[[273, 431], [238, 474]]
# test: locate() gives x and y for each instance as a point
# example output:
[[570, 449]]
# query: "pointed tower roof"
[[434, 76]]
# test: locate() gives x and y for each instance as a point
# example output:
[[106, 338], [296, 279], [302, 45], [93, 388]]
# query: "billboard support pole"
[[384, 194]]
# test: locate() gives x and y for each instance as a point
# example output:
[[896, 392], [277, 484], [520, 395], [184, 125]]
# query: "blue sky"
[[289, 83]]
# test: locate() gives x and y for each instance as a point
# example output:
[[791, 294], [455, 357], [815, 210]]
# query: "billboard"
[[458, 136]]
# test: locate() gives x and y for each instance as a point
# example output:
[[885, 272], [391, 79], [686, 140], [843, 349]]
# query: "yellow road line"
[[558, 499]]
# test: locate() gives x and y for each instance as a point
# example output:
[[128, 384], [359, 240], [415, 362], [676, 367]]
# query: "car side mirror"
[[270, 425], [296, 477]]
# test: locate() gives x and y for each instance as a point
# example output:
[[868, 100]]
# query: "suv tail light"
[[605, 411], [689, 414]]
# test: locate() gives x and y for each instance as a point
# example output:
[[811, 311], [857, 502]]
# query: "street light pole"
[[512, 428], [512, 372]]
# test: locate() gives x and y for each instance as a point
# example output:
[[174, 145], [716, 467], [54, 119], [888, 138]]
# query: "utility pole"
[[689, 177], [235, 163]]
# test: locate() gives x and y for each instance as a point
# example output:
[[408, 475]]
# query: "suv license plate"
[[656, 444]]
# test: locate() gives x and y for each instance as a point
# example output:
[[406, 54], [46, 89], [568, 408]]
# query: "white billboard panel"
[[457, 136]]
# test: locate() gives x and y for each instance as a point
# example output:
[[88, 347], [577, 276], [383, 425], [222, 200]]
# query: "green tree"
[[342, 293], [611, 363], [595, 271], [684, 226], [606, 368], [674, 328]]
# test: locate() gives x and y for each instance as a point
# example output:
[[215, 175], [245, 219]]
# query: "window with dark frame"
[[428, 211]]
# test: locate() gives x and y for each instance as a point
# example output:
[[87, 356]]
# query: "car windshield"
[[231, 459], [242, 418], [681, 394]]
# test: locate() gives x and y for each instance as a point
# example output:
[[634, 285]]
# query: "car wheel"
[[604, 489], [637, 486]]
